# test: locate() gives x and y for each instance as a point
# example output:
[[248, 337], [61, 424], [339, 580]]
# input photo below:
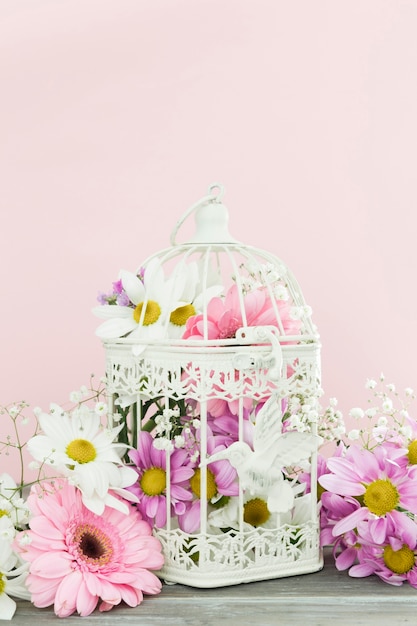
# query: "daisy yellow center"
[[93, 545], [412, 452], [152, 313], [381, 496], [3, 512], [399, 561], [81, 450], [211, 484], [255, 512], [2, 583], [180, 316], [153, 481]]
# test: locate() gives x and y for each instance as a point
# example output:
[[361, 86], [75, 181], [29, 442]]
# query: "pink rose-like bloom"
[[224, 316], [78, 558], [379, 481], [151, 486]]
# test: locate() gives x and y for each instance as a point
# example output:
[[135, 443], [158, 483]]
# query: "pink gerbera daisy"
[[78, 558], [151, 486], [376, 480]]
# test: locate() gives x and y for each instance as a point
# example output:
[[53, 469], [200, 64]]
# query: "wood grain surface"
[[324, 598]]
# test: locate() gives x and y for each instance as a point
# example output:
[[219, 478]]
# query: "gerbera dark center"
[[196, 485], [180, 316], [255, 512], [152, 313], [399, 561], [81, 450], [412, 452], [94, 546], [381, 496], [153, 481]]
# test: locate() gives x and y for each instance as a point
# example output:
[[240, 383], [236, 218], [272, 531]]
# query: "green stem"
[[135, 425]]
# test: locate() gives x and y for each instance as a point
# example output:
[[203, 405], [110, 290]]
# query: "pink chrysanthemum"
[[376, 480], [394, 562], [221, 481], [78, 558], [151, 486], [224, 316]]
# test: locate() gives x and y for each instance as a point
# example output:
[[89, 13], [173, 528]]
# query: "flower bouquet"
[[369, 490], [78, 535], [71, 537]]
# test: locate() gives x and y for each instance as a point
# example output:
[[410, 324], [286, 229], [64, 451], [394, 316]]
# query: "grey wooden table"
[[324, 598]]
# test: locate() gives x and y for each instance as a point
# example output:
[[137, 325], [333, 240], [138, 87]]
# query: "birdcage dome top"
[[206, 290]]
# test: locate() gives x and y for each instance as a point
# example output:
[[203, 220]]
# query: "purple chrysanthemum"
[[151, 486], [380, 484]]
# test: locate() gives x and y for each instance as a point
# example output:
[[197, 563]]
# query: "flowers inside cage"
[[213, 374]]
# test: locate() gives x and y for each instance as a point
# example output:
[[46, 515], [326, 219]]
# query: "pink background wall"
[[116, 115]]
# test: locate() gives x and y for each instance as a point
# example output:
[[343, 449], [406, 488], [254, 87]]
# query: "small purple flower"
[[117, 287], [102, 297], [123, 299]]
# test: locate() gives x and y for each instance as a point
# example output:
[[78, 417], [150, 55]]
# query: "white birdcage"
[[213, 360]]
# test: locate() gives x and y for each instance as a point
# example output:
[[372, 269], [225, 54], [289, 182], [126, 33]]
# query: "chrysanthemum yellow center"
[[2, 583], [180, 316], [320, 491], [412, 452], [3, 512], [153, 481], [93, 545], [381, 496], [152, 313], [81, 450], [211, 484], [255, 512], [399, 561]]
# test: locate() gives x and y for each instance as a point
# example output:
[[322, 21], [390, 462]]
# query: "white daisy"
[[80, 448], [194, 294], [12, 580], [152, 300], [255, 513]]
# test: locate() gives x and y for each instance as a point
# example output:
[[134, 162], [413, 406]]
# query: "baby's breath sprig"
[[386, 418]]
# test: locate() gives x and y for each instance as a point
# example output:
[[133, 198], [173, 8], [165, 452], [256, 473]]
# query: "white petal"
[[40, 447], [127, 495], [7, 607], [138, 349], [154, 277], [94, 504], [113, 329], [133, 286], [110, 311], [210, 292], [117, 504]]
